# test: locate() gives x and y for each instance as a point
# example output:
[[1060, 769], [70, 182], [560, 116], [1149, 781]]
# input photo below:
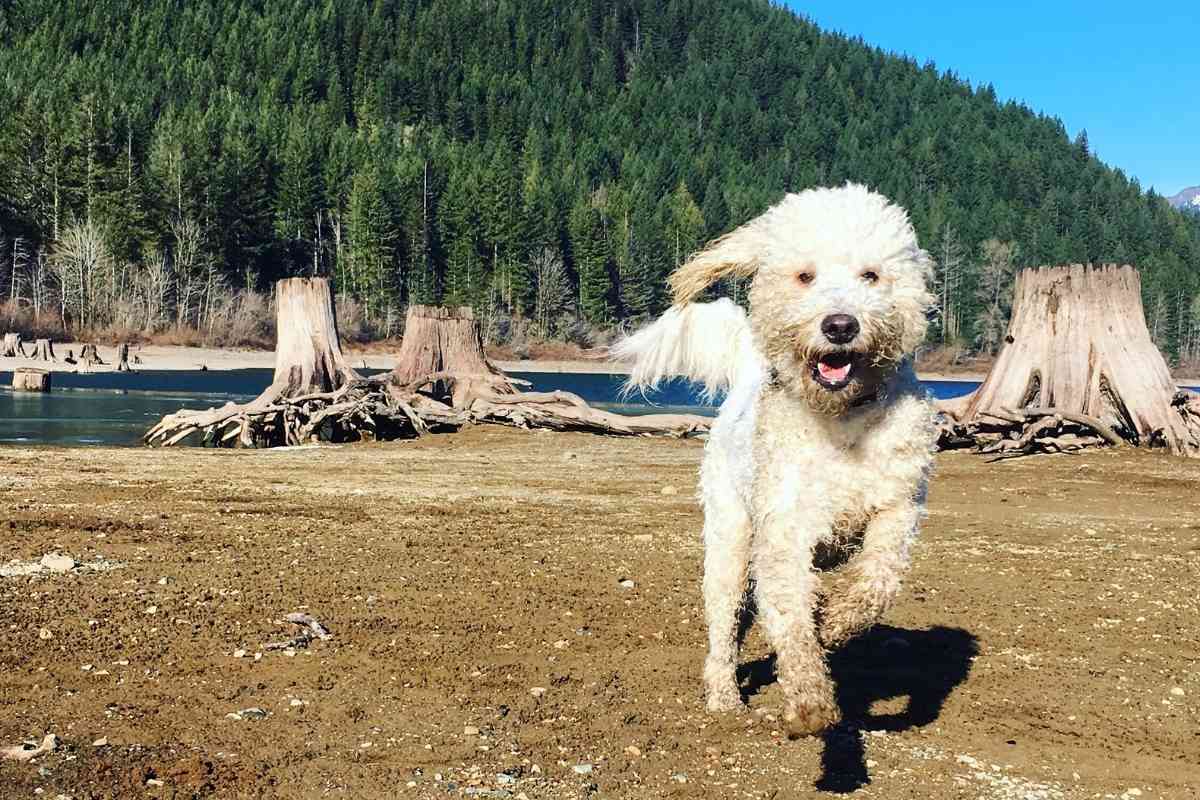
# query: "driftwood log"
[[442, 381], [43, 350], [28, 379], [1078, 369], [11, 346]]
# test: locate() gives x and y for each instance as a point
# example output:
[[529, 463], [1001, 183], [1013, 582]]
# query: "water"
[[111, 408]]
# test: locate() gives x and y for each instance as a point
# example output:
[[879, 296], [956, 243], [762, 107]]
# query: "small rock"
[[163, 581], [505, 779], [57, 562], [582, 769], [538, 691], [633, 751], [1178, 691], [296, 702], [470, 730], [669, 490], [239, 653], [45, 633], [151, 610], [561, 644], [626, 583], [1132, 793], [101, 742], [154, 782], [679, 777], [252, 713], [871, 763], [643, 537]]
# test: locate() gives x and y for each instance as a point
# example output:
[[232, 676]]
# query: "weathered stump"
[[43, 350], [1078, 360], [28, 379], [11, 346], [89, 356], [123, 357]]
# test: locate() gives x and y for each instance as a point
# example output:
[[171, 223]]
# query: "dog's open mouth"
[[834, 370]]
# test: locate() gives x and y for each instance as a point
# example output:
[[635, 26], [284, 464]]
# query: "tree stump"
[[43, 350], [123, 357], [1078, 354], [89, 356], [28, 379], [11, 346], [442, 381], [443, 349]]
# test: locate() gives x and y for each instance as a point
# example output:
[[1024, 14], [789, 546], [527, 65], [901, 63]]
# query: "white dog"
[[822, 448]]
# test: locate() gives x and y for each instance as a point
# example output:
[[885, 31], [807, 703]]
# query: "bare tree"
[[948, 283], [192, 266], [156, 288], [552, 290], [996, 273], [79, 259]]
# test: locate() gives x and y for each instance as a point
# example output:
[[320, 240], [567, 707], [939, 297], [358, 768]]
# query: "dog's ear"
[[736, 254]]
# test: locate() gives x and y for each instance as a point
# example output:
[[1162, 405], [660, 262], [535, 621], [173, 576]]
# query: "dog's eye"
[[804, 277], [870, 276]]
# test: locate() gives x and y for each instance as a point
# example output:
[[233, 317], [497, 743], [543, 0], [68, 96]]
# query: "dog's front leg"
[[873, 578], [726, 564], [786, 592]]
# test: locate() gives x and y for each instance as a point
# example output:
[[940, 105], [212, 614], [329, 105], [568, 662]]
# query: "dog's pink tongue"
[[833, 374]]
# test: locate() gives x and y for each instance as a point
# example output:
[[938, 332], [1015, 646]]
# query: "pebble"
[[470, 730], [679, 777], [101, 742], [1178, 691], [154, 782], [582, 769], [163, 581], [505, 779], [151, 610], [871, 763], [57, 562], [45, 633], [239, 653], [248, 713], [1132, 793], [669, 490], [633, 751], [627, 584], [538, 691]]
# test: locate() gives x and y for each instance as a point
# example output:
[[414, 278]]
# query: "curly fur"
[[798, 476]]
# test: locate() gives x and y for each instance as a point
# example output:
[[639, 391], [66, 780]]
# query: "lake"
[[111, 408]]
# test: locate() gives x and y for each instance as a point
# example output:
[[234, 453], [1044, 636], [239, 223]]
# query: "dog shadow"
[[883, 664]]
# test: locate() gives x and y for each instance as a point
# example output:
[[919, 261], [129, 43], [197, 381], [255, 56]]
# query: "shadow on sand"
[[885, 663]]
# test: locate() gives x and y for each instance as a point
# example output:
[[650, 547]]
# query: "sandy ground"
[[1047, 645]]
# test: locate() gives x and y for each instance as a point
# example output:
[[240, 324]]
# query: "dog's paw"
[[724, 700], [811, 719]]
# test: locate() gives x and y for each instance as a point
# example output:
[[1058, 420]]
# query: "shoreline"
[[177, 357], [180, 358]]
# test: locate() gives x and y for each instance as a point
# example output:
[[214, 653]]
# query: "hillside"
[[542, 161]]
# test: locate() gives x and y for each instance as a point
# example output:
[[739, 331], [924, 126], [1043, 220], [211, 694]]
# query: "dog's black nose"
[[839, 328]]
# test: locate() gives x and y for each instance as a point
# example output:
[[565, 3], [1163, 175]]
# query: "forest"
[[546, 163]]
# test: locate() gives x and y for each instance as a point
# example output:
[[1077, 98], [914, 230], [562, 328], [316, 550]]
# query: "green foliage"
[[453, 151]]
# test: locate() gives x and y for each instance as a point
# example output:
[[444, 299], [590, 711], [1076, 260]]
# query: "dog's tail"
[[707, 343]]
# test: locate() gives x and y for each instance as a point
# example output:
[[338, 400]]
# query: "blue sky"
[[1128, 73]]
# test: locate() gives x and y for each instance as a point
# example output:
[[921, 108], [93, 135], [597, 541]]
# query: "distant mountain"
[[1189, 198]]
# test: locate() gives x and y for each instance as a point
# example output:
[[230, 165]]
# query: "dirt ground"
[[484, 644]]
